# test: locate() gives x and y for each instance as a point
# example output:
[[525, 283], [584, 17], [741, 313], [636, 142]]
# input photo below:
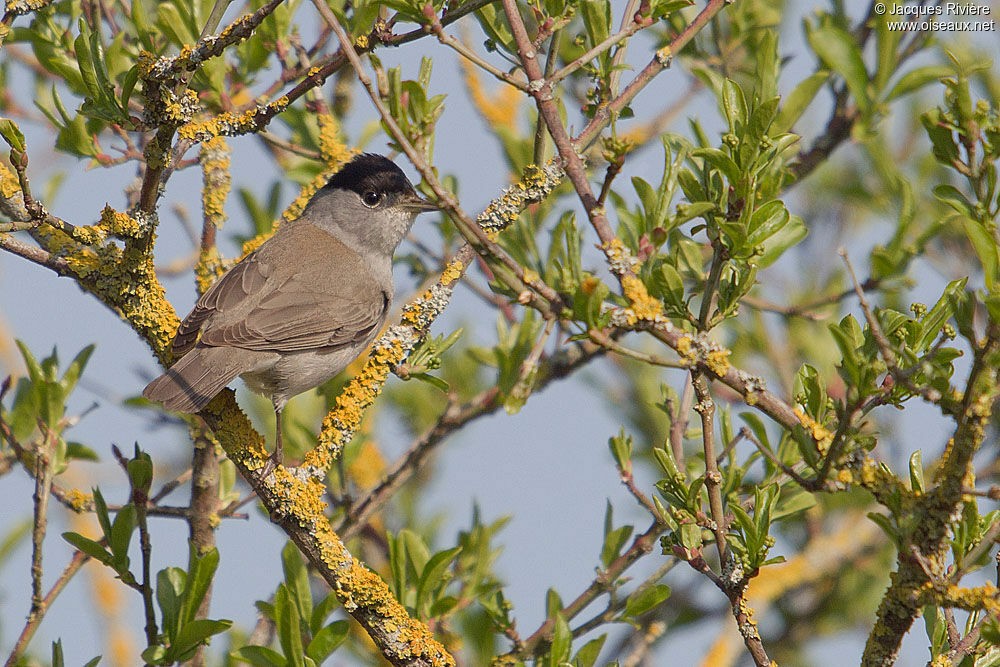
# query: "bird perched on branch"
[[295, 312]]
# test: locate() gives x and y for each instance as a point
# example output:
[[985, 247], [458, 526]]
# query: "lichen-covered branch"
[[911, 588]]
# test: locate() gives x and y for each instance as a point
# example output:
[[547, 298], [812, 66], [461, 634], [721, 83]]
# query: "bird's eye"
[[371, 198]]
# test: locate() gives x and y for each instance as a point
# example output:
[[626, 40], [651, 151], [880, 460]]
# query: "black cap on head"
[[368, 172]]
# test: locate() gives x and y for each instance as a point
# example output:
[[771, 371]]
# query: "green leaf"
[[260, 656], [940, 312], [734, 104], [792, 502], [766, 221], [553, 603], [839, 51], [286, 617], [951, 196], [432, 380], [12, 134], [916, 79], [84, 61], [89, 547], [561, 641], [57, 654], [791, 234], [327, 640], [322, 611], [297, 579], [128, 85], [140, 471], [917, 471], [433, 573], [201, 570], [720, 161], [985, 246], [641, 602], [416, 550], [596, 20], [942, 139], [196, 633], [121, 534], [80, 452], [589, 652], [798, 100], [613, 543], [170, 584]]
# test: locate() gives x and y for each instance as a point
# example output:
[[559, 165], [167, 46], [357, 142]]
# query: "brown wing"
[[240, 282], [271, 302], [297, 316]]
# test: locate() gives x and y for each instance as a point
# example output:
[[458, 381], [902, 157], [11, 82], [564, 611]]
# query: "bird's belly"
[[296, 372]]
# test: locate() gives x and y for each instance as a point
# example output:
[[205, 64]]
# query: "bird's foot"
[[269, 466]]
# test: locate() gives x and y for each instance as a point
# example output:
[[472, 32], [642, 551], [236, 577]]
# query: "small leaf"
[[561, 640], [197, 632], [201, 570], [297, 579], [588, 654], [89, 547], [645, 600], [916, 472], [12, 134], [327, 640], [288, 624], [260, 656], [433, 573], [839, 51], [170, 584], [798, 100], [916, 79]]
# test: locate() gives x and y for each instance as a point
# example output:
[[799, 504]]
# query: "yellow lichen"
[[452, 272], [817, 431], [9, 185], [717, 361], [334, 151], [216, 180], [685, 348], [645, 308], [210, 267], [78, 500]]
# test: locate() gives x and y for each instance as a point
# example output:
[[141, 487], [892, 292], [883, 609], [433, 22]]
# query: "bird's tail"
[[195, 379]]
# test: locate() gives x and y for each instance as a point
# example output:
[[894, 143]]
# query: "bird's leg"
[[277, 456]]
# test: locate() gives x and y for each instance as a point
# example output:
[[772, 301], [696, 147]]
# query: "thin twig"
[[34, 620], [713, 478], [43, 451], [467, 53], [601, 338], [641, 545]]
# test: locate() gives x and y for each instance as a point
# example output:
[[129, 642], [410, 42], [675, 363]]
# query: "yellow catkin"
[[369, 467], [499, 110]]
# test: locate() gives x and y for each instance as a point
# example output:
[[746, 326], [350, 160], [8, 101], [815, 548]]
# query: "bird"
[[296, 311]]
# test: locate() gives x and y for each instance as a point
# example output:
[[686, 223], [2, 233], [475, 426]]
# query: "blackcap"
[[295, 312]]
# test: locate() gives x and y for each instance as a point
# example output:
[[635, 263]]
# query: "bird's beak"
[[415, 202]]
